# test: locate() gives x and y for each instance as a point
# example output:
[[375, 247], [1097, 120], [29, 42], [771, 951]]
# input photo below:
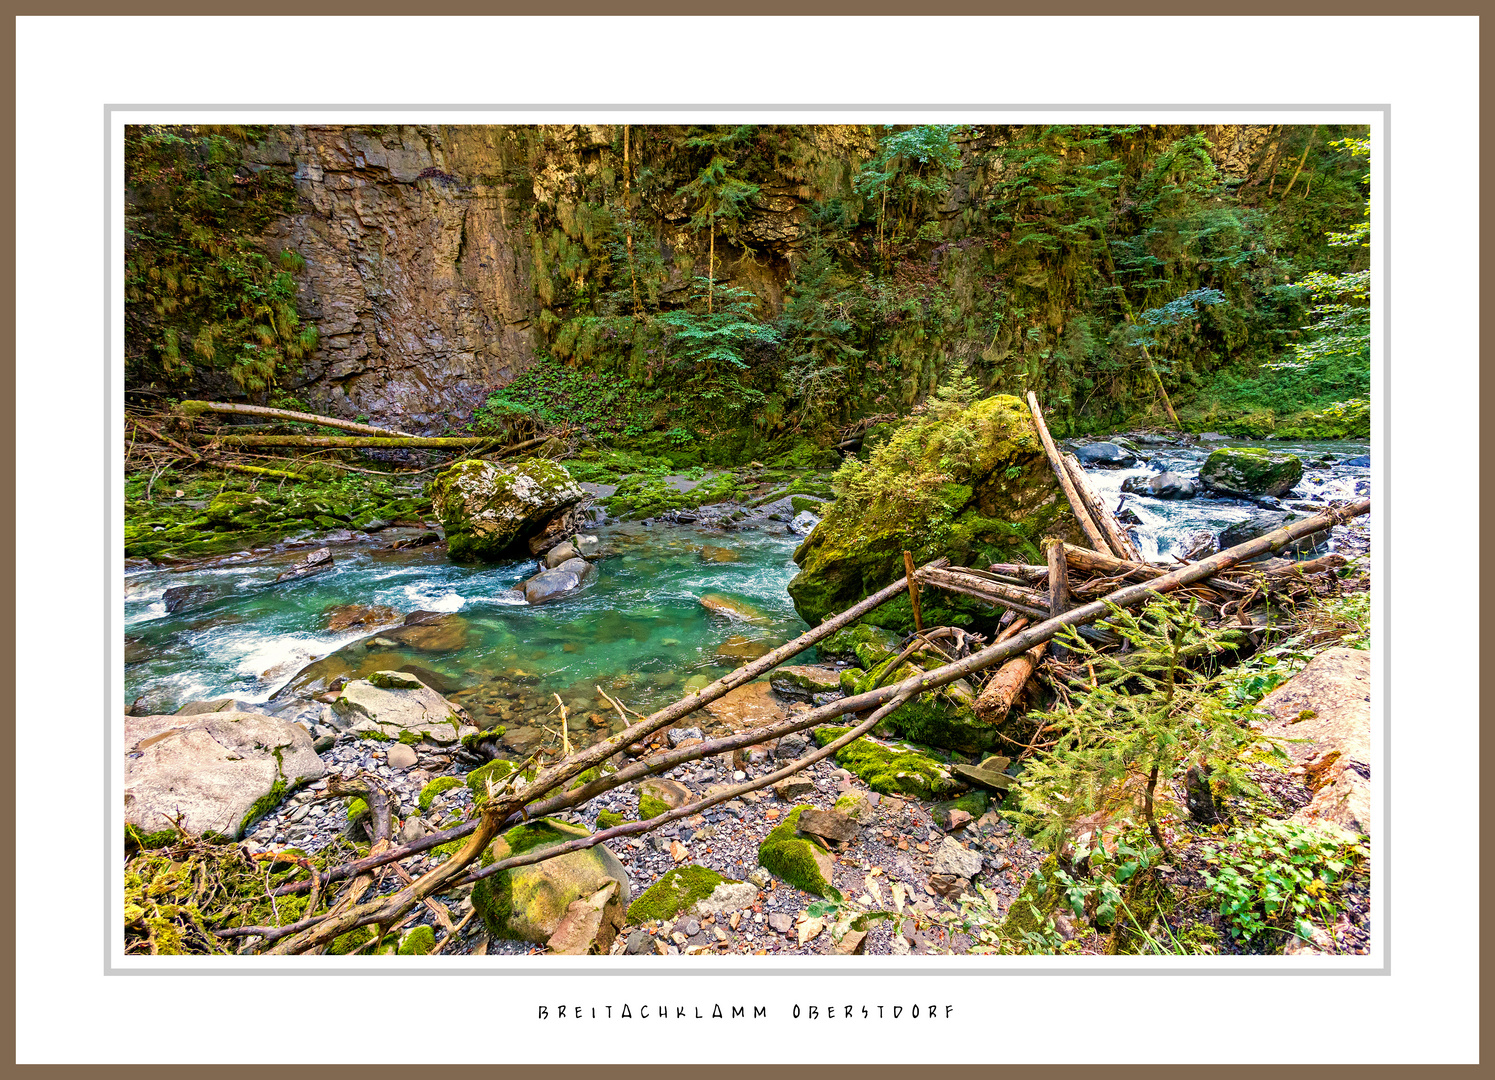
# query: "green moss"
[[677, 891], [646, 496], [410, 738], [892, 770], [800, 502], [375, 734], [594, 773], [611, 819], [496, 770], [493, 896], [434, 788], [868, 644], [472, 738], [347, 943], [1148, 903], [263, 805], [418, 941], [136, 839], [787, 855], [357, 808], [1030, 913], [650, 807], [974, 803]]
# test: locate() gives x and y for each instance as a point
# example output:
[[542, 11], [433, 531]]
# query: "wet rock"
[[490, 510], [318, 562], [430, 631], [741, 649], [1251, 471], [1363, 461], [587, 546], [559, 554], [355, 616], [715, 554], [1105, 455], [215, 772], [197, 708], [804, 523], [732, 608], [185, 597]]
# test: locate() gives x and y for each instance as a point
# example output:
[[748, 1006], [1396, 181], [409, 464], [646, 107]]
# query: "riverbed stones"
[[401, 757], [395, 704], [828, 824], [726, 898], [214, 773], [670, 792], [530, 902], [318, 562], [344, 617], [1251, 471], [1163, 485], [732, 608], [958, 861], [430, 631], [743, 649], [746, 706], [490, 509]]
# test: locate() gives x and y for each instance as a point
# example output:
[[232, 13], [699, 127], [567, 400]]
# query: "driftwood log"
[[198, 408], [1077, 503]]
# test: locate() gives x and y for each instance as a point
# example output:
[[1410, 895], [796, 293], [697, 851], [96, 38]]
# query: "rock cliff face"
[[418, 268], [441, 259]]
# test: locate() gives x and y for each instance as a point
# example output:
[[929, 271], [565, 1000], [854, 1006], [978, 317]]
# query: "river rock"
[[318, 562], [394, 702], [531, 902], [713, 553], [1363, 461], [670, 792], [217, 772], [742, 649], [558, 529], [1105, 455], [1325, 711], [828, 824], [955, 860], [588, 926], [490, 510], [401, 757], [791, 747], [1169, 485], [804, 523], [746, 706], [1000, 476], [344, 617], [1250, 471], [185, 597], [559, 554], [587, 546], [550, 585], [726, 898], [732, 608], [221, 705], [583, 570], [804, 680], [431, 631]]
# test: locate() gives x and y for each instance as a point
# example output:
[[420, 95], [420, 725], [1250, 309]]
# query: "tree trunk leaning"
[[1080, 507], [1120, 543]]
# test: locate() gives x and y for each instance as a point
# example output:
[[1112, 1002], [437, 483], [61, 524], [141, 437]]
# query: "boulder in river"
[[318, 562], [804, 523], [1251, 471], [490, 510], [732, 608], [1169, 485], [215, 773], [998, 498], [1363, 461], [559, 554], [360, 616], [1262, 522], [561, 581], [1105, 455], [431, 631]]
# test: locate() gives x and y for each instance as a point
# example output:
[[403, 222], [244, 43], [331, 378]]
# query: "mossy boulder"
[[496, 770], [434, 788], [891, 768], [527, 903], [1251, 471], [1028, 916], [975, 487], [797, 859], [678, 890], [869, 645], [393, 704], [490, 509]]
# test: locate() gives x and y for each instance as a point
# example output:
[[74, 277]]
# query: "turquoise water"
[[639, 630]]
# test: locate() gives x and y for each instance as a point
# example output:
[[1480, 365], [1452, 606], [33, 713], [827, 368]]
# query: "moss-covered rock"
[[1251, 471], [436, 787], [528, 902], [490, 509], [869, 645], [418, 941], [496, 770], [650, 807], [677, 891], [611, 819], [975, 487], [799, 860], [892, 769]]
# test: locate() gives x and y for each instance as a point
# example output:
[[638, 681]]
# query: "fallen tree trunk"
[[1121, 544], [1080, 507], [198, 408], [1023, 600], [353, 442], [996, 699], [199, 459]]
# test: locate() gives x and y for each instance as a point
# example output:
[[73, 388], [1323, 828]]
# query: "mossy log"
[[354, 442], [198, 408]]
